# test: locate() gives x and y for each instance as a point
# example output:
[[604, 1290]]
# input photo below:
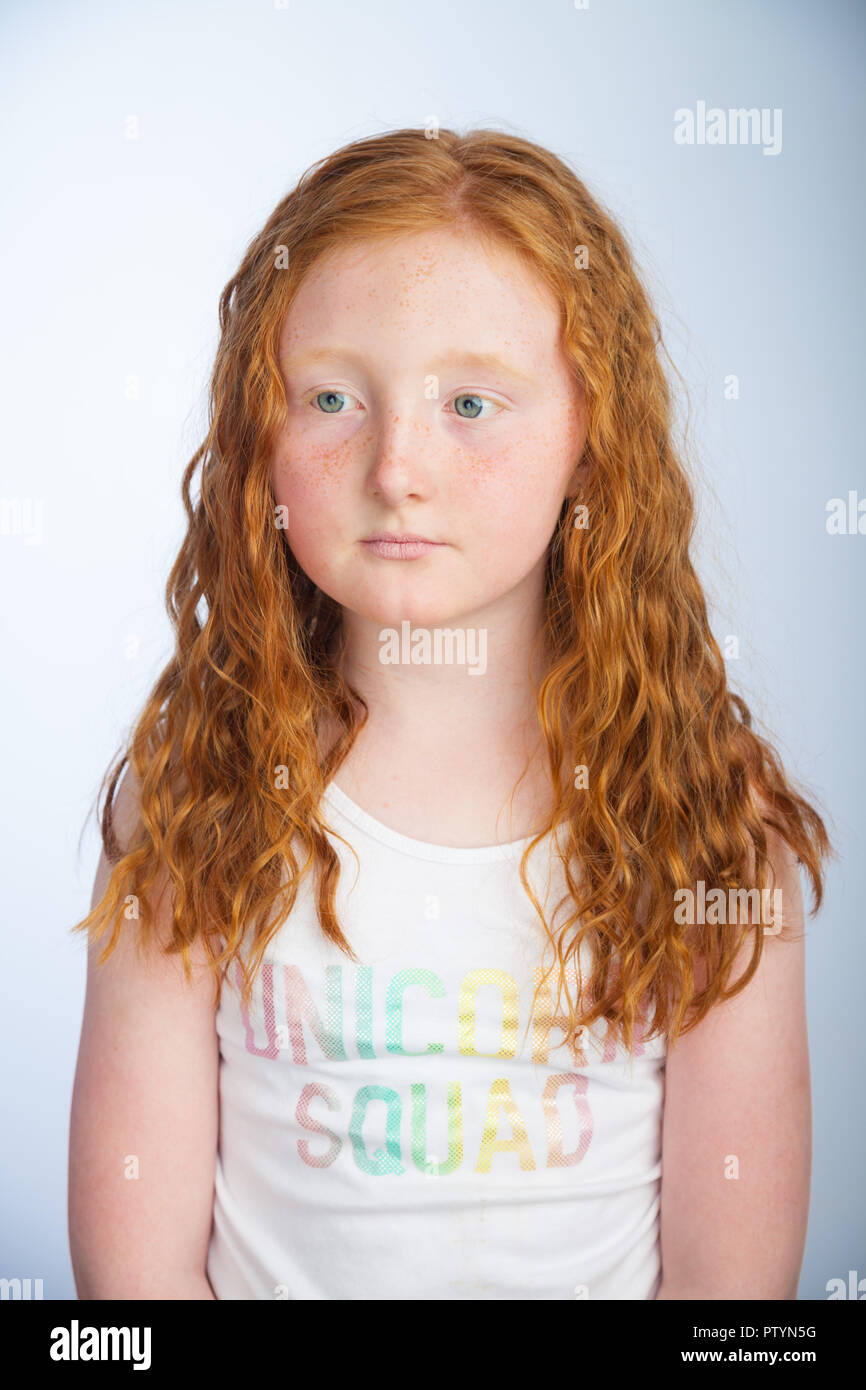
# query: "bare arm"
[[144, 1120], [738, 1091]]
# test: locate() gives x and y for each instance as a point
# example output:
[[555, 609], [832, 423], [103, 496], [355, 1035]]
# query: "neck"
[[466, 683]]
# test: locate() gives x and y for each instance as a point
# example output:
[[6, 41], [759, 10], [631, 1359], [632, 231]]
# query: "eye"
[[331, 399], [475, 406]]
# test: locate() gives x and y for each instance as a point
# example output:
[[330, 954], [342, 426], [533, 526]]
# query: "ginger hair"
[[680, 784]]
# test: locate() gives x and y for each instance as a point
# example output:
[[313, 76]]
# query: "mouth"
[[399, 547], [399, 538]]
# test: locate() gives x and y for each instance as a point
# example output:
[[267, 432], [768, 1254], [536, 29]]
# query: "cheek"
[[311, 499], [312, 485], [299, 489], [514, 492]]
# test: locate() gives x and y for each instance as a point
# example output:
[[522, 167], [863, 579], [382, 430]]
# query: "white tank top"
[[388, 1129]]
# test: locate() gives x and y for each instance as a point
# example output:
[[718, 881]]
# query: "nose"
[[403, 460]]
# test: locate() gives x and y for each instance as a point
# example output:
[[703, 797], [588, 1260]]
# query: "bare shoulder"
[[126, 814]]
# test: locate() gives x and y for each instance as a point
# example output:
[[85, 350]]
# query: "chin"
[[420, 611], [416, 615]]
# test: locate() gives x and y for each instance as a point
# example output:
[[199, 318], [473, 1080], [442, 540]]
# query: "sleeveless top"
[[390, 1130]]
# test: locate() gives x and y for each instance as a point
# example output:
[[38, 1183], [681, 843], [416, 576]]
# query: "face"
[[427, 395]]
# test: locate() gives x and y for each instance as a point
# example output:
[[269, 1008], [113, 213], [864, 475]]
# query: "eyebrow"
[[477, 360]]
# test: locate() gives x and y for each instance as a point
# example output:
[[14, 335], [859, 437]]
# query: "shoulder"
[[770, 1009], [131, 943]]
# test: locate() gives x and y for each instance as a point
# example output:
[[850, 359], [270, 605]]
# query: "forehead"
[[420, 288]]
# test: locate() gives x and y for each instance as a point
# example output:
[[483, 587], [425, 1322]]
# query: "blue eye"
[[330, 396], [328, 403], [475, 409]]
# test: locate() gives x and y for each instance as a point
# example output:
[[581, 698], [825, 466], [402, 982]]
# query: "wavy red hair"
[[681, 786]]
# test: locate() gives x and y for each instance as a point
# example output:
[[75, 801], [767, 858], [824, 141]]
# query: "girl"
[[439, 567]]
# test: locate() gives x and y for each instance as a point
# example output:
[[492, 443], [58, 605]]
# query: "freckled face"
[[402, 422]]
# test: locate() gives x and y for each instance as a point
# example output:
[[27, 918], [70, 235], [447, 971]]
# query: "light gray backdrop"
[[143, 145]]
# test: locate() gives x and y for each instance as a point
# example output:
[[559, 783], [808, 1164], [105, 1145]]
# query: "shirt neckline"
[[422, 849]]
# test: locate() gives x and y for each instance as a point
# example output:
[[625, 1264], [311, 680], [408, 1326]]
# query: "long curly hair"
[[226, 754]]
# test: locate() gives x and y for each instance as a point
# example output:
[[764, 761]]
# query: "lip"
[[400, 538], [399, 547]]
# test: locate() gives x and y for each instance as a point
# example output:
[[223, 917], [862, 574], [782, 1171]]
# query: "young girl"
[[438, 570]]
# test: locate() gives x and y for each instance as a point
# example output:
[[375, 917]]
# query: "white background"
[[115, 251]]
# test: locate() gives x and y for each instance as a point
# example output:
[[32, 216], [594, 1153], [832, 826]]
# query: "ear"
[[578, 478]]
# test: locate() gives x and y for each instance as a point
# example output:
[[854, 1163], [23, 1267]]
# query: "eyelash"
[[333, 391]]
